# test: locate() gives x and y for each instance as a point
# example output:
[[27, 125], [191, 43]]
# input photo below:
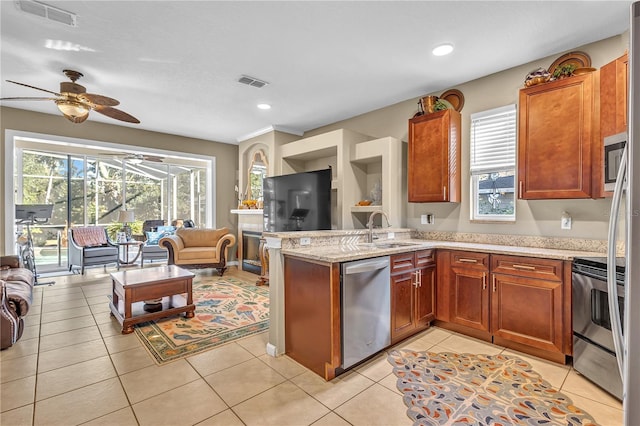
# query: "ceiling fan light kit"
[[75, 103], [73, 111]]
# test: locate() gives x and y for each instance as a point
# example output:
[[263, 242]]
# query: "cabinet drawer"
[[424, 258], [547, 269], [470, 259], [402, 262]]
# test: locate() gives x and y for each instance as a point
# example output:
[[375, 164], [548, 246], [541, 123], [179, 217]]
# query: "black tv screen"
[[297, 202]]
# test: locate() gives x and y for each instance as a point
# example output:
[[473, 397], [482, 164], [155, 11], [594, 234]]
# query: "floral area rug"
[[448, 388], [226, 309]]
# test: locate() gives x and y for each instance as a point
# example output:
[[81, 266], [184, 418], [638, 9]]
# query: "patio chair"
[[90, 246]]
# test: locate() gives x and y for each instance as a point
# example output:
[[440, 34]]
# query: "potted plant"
[[564, 71]]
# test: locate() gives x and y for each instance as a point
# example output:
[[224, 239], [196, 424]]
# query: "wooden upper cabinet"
[[614, 86], [613, 96], [434, 157], [555, 139]]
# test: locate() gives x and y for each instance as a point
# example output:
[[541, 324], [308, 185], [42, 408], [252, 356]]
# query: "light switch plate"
[[305, 241], [391, 235], [423, 219], [565, 222]]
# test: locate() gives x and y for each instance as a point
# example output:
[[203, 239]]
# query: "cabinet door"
[[613, 96], [528, 311], [426, 296], [402, 306], [555, 139], [433, 167], [470, 302], [613, 114]]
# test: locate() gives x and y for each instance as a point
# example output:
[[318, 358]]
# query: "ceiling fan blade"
[[98, 99], [34, 87], [116, 113], [28, 99]]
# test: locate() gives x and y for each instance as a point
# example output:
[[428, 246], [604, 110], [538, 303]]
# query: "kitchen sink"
[[386, 245]]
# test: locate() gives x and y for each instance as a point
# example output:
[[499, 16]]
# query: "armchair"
[[90, 246], [199, 248], [151, 250]]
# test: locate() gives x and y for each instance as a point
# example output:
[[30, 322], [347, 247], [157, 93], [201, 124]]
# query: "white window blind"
[[493, 139]]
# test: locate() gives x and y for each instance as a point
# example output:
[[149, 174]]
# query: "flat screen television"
[[297, 202]]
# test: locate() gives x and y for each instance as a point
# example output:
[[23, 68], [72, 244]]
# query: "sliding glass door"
[[91, 190]]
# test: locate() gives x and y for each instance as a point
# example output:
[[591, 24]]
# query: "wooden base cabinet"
[[518, 302], [413, 280], [531, 302], [470, 296], [312, 315]]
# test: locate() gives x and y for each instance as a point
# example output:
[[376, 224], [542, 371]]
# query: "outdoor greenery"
[[48, 178]]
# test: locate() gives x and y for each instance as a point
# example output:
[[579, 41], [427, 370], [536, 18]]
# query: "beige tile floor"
[[72, 366]]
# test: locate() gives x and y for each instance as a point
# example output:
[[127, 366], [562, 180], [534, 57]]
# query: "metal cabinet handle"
[[465, 260], [444, 192], [524, 267], [494, 283], [484, 280], [419, 274], [520, 189], [415, 279]]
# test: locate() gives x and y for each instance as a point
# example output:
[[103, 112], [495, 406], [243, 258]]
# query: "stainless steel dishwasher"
[[366, 309]]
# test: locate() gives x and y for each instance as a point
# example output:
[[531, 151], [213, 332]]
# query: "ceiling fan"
[[75, 103], [135, 158]]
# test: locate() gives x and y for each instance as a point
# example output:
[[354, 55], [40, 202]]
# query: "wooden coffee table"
[[132, 287]]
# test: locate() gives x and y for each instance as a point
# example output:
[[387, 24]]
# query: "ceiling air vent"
[[251, 81], [48, 12]]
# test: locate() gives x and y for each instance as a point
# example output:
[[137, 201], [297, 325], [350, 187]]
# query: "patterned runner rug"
[[448, 388], [226, 309]]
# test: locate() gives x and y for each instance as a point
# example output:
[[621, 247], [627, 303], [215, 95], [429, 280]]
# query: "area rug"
[[226, 309], [448, 388]]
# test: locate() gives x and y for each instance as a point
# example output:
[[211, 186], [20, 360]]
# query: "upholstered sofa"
[[16, 285], [199, 248]]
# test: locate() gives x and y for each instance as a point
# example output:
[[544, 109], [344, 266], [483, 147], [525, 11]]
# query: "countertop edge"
[[344, 253]]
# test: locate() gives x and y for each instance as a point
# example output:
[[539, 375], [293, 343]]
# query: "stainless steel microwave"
[[613, 149]]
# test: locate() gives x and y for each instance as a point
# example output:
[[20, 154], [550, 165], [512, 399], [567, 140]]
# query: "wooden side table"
[[126, 245], [131, 288]]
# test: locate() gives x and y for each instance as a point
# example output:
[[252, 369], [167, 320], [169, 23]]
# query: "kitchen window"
[[493, 165]]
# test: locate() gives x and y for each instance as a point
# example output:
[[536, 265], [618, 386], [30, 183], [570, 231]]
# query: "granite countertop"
[[348, 252]]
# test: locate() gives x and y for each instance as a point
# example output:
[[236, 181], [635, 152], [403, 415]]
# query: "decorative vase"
[[376, 194], [428, 104]]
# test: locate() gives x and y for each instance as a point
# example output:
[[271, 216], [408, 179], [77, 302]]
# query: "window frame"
[[477, 171]]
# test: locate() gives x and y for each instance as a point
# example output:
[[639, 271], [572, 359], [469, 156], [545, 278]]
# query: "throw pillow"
[[153, 238], [167, 230]]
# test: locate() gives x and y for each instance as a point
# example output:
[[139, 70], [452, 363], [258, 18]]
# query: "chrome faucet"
[[370, 223]]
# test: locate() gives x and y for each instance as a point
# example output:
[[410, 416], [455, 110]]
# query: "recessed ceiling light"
[[443, 49], [264, 106]]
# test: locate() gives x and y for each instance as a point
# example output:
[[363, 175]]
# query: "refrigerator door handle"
[[614, 307]]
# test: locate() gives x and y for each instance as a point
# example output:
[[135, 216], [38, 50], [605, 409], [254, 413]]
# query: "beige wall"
[[226, 154], [538, 217]]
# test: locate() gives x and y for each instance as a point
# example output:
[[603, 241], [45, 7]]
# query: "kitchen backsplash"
[[576, 244]]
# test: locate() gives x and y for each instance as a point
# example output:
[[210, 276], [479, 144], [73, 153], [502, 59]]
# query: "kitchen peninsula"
[[500, 280]]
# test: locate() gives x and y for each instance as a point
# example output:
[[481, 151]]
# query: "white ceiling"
[[175, 64]]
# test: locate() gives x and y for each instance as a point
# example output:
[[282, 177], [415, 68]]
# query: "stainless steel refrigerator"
[[625, 209]]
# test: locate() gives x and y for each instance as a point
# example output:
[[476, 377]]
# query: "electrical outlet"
[[565, 221], [305, 241]]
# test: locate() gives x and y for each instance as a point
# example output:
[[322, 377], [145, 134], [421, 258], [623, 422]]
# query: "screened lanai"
[[90, 185]]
